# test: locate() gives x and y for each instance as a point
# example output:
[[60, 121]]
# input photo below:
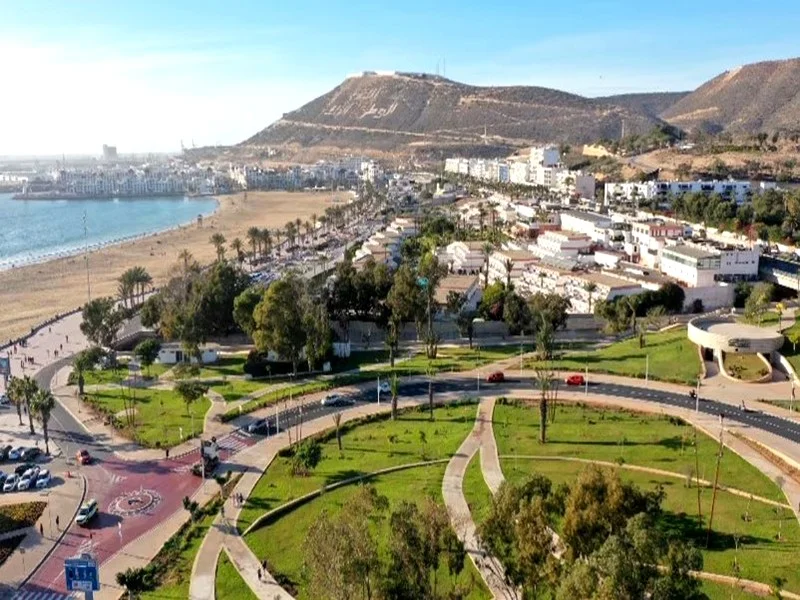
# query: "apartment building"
[[519, 172], [591, 224], [468, 285], [546, 156], [561, 243], [519, 260], [631, 191], [463, 257], [705, 264], [649, 237], [577, 286]]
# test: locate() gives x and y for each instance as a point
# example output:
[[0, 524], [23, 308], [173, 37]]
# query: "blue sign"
[[422, 282], [5, 365], [81, 574]]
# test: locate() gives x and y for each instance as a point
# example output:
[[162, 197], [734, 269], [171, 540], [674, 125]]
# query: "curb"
[[58, 541]]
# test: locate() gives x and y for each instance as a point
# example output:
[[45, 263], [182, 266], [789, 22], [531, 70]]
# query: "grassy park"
[[229, 583], [476, 492], [747, 367], [760, 555], [159, 414], [672, 357]]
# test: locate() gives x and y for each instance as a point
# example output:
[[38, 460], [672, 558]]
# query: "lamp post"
[[697, 397], [647, 367]]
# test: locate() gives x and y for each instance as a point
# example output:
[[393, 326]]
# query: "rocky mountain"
[[650, 104], [413, 113], [760, 97]]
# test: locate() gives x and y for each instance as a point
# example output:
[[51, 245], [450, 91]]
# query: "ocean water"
[[37, 230]]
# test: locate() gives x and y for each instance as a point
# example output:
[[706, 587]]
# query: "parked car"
[[4, 400], [21, 469], [43, 479], [86, 513], [2, 479], [496, 377], [257, 425], [4, 451], [337, 400], [11, 483], [16, 453], [30, 454], [25, 481], [575, 380], [83, 457]]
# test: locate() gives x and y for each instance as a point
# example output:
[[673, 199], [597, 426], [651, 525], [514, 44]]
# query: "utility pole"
[[86, 257], [716, 480], [647, 367], [697, 475], [697, 397]]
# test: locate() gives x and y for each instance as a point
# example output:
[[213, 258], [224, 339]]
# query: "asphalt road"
[[784, 428]]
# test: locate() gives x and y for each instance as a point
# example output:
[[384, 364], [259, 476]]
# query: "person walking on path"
[[264, 565], [41, 529], [57, 525], [259, 574]]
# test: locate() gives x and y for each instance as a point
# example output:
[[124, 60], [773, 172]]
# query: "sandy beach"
[[32, 294]]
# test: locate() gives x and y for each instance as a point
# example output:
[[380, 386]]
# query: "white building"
[[561, 243], [739, 191], [703, 265], [649, 237], [592, 224], [519, 172], [605, 287], [519, 260], [463, 257], [173, 354], [546, 156], [468, 285]]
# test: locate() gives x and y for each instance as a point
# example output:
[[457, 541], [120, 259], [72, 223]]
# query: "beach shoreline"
[[33, 293], [7, 264]]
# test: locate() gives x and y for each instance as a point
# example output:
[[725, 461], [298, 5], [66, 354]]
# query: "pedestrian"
[[61, 346], [167, 451], [41, 529], [264, 565], [259, 574], [57, 525], [66, 338], [49, 330], [222, 510]]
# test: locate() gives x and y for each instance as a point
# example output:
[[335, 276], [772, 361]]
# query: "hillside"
[[758, 97], [426, 114], [650, 104]]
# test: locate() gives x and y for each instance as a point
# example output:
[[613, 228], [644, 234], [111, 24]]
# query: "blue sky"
[[147, 74]]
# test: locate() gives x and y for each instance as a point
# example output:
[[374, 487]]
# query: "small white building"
[[468, 285], [173, 354], [520, 260], [463, 257], [561, 243], [546, 156]]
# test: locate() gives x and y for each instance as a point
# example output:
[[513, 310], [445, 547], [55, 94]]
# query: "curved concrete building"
[[721, 334]]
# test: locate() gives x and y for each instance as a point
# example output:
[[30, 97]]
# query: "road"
[[156, 488]]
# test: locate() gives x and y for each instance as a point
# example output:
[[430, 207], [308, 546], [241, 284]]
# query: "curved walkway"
[[652, 470], [460, 517]]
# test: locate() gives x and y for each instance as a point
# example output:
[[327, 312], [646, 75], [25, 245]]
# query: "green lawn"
[[235, 389], [672, 358], [768, 319], [607, 434], [106, 376], [367, 448], [281, 542], [459, 358], [477, 493], [720, 591], [175, 582], [229, 583], [159, 414], [747, 367], [226, 366], [761, 556]]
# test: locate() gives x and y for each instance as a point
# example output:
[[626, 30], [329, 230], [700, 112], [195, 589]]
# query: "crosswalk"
[[235, 442], [42, 595]]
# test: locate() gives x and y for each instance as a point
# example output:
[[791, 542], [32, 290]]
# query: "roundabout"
[[133, 503], [721, 334]]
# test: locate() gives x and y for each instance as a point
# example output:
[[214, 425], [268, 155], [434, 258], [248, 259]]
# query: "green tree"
[[238, 248], [758, 301], [676, 582], [28, 389], [394, 388], [254, 237], [307, 455], [135, 581], [190, 391], [147, 352], [42, 405], [84, 361], [318, 333], [218, 241], [279, 320], [101, 321], [590, 287], [244, 306], [16, 394]]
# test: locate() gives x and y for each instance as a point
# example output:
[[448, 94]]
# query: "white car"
[[11, 483], [337, 400], [43, 479], [24, 483], [4, 401], [16, 453]]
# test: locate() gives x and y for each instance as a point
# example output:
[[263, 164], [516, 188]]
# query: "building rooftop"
[[454, 283], [517, 254], [688, 251], [587, 216], [607, 280]]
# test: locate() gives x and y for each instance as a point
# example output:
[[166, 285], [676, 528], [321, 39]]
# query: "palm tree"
[[278, 234], [254, 237], [16, 395], [314, 221], [298, 223], [266, 237], [487, 251], [141, 279], [290, 233], [309, 229], [42, 404], [186, 258], [218, 241], [29, 387], [591, 288], [509, 265], [236, 246], [126, 285]]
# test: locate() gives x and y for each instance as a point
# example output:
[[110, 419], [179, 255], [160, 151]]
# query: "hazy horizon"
[[147, 76]]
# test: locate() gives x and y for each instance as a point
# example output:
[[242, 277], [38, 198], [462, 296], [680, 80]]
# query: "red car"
[[575, 380], [83, 456], [496, 377]]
